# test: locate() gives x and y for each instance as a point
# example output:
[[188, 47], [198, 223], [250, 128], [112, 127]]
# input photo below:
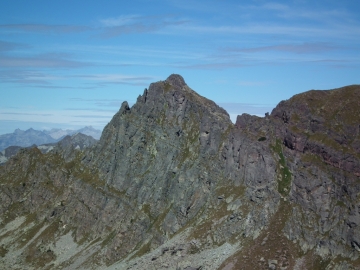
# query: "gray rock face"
[[68, 145], [173, 184]]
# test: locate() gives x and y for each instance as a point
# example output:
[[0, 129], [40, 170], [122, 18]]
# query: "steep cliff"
[[173, 184]]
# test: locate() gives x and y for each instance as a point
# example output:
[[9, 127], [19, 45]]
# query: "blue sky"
[[69, 64]]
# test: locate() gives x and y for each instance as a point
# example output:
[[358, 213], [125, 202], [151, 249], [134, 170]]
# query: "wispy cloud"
[[297, 11], [131, 24], [47, 86], [323, 15], [292, 48], [120, 20], [275, 6], [6, 46], [91, 116], [212, 66], [101, 102], [116, 79], [92, 109], [48, 60], [26, 77], [145, 53], [44, 28], [34, 114], [252, 83], [57, 117], [344, 31], [39, 79]]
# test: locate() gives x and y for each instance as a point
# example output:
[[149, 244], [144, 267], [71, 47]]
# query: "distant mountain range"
[[66, 145], [31, 136], [58, 134]]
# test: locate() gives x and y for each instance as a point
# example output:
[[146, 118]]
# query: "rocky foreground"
[[174, 184]]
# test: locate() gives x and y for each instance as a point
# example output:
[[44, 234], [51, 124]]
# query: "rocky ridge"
[[173, 184]]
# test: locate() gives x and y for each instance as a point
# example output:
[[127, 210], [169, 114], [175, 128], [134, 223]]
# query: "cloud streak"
[[212, 65], [292, 48], [104, 79], [57, 117], [32, 78], [135, 24], [48, 60], [120, 20], [101, 102], [297, 11], [44, 28], [115, 77], [35, 114], [6, 46], [290, 30]]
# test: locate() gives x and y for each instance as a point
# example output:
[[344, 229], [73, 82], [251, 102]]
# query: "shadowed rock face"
[[319, 131], [324, 123], [173, 183]]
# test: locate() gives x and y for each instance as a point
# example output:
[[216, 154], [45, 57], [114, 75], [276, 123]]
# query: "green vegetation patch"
[[325, 139], [108, 239], [284, 180], [314, 159], [341, 204], [147, 210], [167, 87], [190, 140], [339, 259], [146, 248]]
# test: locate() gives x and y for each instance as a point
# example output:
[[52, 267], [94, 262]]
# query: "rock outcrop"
[[173, 184]]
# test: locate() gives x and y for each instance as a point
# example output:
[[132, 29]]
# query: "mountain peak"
[[174, 176], [176, 80]]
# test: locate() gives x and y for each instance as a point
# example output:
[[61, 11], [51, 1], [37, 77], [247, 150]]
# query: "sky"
[[70, 64]]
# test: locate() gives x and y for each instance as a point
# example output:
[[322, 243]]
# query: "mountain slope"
[[172, 183]]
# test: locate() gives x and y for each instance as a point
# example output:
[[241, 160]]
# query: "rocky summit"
[[174, 184]]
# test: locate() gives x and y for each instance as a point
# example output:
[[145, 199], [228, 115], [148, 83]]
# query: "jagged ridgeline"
[[174, 184]]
